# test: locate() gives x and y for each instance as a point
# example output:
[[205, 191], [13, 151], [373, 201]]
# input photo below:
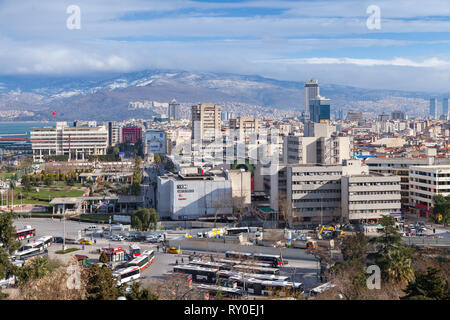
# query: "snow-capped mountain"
[[107, 96]]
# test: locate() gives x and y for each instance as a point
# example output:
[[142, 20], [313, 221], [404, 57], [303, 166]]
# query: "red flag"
[[54, 113]]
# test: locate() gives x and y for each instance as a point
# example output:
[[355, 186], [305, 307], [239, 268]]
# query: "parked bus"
[[226, 292], [256, 269], [209, 264], [28, 254], [232, 231], [25, 233], [266, 287], [199, 274], [36, 244], [135, 250], [234, 262], [225, 275], [127, 274], [271, 260], [143, 260], [46, 240]]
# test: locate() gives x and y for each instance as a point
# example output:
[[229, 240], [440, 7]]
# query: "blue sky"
[[287, 40]]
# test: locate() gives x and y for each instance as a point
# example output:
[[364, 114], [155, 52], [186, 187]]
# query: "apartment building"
[[206, 121], [424, 183], [77, 142]]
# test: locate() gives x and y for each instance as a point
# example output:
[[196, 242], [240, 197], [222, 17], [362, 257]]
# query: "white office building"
[[77, 142]]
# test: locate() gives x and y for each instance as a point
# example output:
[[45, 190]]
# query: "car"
[[58, 239], [173, 250], [71, 241], [85, 241], [117, 238], [90, 228]]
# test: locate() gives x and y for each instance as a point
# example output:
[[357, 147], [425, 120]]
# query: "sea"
[[18, 130]]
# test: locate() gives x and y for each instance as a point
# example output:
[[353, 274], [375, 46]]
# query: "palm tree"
[[398, 266]]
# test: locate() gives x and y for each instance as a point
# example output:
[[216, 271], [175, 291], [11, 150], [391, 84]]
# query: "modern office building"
[[319, 109], [77, 142], [368, 197], [131, 134], [206, 123], [445, 108], [433, 108], [313, 192], [426, 182], [174, 110], [398, 115]]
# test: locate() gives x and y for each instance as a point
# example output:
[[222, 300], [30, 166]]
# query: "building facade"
[[77, 142]]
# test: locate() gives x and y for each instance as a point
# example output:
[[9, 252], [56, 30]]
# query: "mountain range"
[[108, 96]]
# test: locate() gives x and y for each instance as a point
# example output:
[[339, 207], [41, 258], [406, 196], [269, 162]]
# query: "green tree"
[[354, 248], [138, 293], [101, 284], [428, 286], [394, 259], [441, 207], [135, 189], [7, 233], [145, 219], [103, 257]]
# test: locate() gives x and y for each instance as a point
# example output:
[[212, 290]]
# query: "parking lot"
[[304, 271]]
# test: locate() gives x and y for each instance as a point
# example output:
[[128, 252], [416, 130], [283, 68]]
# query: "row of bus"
[[132, 270], [256, 284]]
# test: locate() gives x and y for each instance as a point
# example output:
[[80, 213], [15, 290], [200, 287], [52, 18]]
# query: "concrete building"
[[190, 196], [156, 141], [206, 122], [368, 197], [77, 142], [311, 192], [400, 167], [312, 91], [318, 146], [114, 133], [424, 183], [244, 126]]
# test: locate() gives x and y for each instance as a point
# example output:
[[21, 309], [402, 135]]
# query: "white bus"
[[33, 245], [27, 254], [143, 260], [46, 240], [127, 274]]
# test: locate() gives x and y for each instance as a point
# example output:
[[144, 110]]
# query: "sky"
[[334, 41]]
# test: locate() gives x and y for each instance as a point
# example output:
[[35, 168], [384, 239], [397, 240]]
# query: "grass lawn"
[[68, 250], [46, 193], [6, 175]]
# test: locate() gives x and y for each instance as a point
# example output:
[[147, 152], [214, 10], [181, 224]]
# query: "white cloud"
[[398, 62]]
